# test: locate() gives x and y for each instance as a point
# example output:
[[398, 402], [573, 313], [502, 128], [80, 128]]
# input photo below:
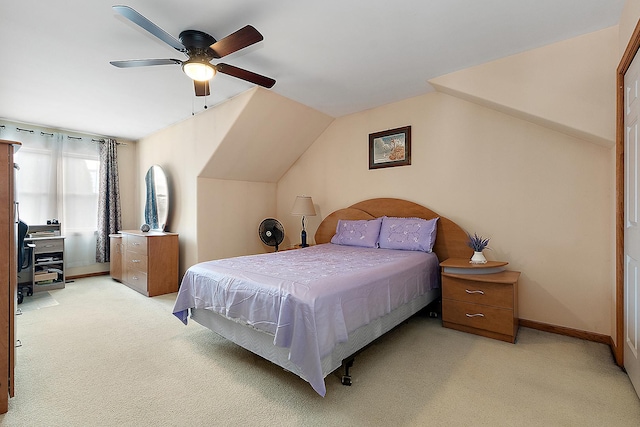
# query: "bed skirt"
[[261, 343]]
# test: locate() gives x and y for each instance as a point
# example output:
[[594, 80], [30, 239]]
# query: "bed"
[[310, 310]]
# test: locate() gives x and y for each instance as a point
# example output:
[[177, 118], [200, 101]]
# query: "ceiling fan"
[[200, 49]]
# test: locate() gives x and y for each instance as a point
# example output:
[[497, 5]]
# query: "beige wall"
[[129, 184], [543, 197], [628, 21], [522, 154], [541, 191], [223, 166], [230, 212], [182, 150], [565, 86]]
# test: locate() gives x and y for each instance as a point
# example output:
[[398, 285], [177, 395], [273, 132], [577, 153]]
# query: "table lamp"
[[303, 206]]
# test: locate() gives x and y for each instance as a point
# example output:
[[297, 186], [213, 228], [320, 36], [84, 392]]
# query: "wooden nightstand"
[[481, 299]]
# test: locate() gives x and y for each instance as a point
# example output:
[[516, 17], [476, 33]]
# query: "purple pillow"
[[358, 232], [409, 234]]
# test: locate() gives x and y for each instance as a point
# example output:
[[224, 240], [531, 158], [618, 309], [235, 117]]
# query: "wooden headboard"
[[451, 240]]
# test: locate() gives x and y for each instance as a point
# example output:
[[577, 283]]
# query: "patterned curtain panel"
[[109, 216]]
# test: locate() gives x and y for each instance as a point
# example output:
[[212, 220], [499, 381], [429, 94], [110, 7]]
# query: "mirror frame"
[[156, 208]]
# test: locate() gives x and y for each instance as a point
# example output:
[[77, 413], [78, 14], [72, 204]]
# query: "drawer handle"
[[474, 315], [134, 277], [135, 244], [474, 292], [135, 260]]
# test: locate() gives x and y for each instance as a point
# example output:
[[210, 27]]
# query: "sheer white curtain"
[[58, 179], [36, 181], [78, 199]]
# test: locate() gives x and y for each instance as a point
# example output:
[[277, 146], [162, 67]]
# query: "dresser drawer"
[[136, 244], [494, 319], [487, 293], [137, 280], [135, 261]]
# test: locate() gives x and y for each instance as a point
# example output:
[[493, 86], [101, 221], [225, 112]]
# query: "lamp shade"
[[303, 206], [200, 70]]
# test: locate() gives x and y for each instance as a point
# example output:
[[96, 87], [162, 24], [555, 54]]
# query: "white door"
[[632, 228]]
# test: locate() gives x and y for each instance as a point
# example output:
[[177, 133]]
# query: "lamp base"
[[303, 237]]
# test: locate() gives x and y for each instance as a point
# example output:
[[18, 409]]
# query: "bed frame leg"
[[346, 378]]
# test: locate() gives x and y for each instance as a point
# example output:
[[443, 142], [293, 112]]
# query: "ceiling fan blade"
[[245, 75], [129, 63], [202, 88], [143, 22], [242, 38]]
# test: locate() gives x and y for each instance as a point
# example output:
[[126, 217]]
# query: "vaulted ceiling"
[[335, 56]]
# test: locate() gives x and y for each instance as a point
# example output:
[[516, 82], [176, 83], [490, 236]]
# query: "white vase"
[[478, 258]]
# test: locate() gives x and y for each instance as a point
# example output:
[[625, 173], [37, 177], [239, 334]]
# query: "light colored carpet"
[[107, 356], [37, 301]]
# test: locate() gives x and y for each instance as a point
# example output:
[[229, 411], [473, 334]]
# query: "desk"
[[46, 268], [47, 262]]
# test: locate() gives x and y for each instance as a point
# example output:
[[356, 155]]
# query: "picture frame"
[[390, 148]]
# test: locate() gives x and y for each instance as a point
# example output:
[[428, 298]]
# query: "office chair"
[[22, 256]]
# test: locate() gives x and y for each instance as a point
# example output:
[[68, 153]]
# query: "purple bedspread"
[[308, 299]]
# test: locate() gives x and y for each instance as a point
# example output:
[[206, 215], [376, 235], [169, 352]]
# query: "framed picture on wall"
[[390, 148]]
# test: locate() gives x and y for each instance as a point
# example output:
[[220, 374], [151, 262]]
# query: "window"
[[58, 179]]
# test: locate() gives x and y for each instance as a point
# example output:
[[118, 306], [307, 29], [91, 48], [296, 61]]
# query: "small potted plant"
[[478, 244]]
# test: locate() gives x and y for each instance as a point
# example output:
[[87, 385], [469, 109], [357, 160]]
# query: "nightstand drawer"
[[499, 320], [487, 293]]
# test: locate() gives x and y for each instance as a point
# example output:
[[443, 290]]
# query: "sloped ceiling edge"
[[267, 137], [566, 86]]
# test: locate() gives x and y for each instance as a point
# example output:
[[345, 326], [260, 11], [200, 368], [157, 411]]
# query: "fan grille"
[[271, 232]]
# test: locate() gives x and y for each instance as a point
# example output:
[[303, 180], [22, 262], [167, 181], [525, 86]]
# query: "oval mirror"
[[156, 208]]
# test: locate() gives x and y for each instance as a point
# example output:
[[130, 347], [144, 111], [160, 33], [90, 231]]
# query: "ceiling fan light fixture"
[[199, 70]]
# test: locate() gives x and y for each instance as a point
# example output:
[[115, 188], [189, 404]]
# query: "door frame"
[[629, 54]]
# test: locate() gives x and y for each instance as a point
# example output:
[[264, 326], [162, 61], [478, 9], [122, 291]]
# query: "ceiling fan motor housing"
[[197, 43]]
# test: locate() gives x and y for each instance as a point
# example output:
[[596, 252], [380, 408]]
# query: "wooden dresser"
[[149, 261], [480, 298], [8, 273], [115, 256]]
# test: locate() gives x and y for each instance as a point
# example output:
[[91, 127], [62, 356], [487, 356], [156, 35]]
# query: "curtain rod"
[[102, 141], [77, 138]]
